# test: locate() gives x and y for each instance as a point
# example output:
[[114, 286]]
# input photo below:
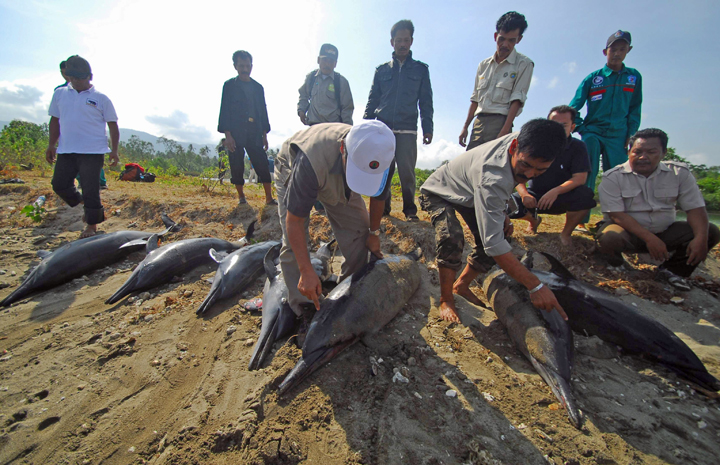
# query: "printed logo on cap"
[[619, 34], [374, 164]]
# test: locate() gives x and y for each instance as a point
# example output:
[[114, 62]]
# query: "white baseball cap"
[[371, 149]]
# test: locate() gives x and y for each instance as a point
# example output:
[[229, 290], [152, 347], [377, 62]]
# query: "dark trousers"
[[252, 144], [87, 166], [614, 240], [405, 158], [578, 199], [450, 237]]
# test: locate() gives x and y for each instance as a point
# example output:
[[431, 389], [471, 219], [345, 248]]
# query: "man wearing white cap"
[[334, 163]]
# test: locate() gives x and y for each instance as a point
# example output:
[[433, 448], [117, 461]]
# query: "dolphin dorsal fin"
[[269, 262], [152, 243], [527, 260], [215, 256], [43, 253], [557, 267]]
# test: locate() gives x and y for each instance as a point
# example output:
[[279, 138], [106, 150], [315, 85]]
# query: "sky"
[[163, 63]]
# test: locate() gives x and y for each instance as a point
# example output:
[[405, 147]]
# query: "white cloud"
[[431, 156], [22, 101], [553, 82], [698, 159], [534, 81], [177, 126], [570, 67]]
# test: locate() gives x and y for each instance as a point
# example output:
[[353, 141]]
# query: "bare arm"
[[697, 249], [547, 200], [528, 200], [114, 142], [53, 140], [544, 298], [309, 284], [470, 116], [515, 106]]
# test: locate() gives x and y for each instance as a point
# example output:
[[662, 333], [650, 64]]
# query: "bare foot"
[[89, 231], [467, 294], [447, 312], [533, 226], [566, 240]]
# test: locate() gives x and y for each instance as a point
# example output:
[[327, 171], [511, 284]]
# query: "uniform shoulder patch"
[[676, 165], [612, 170]]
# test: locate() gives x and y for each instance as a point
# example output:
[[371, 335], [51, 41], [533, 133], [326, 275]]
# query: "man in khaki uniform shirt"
[[501, 85], [638, 200], [334, 163]]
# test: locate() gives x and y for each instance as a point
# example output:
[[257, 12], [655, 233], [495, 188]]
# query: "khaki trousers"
[[350, 224]]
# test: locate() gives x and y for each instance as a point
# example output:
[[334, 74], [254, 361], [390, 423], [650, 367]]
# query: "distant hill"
[[126, 133]]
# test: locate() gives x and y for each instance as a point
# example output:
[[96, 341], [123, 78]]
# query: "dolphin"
[[278, 319], [82, 256], [176, 258], [236, 271], [361, 304], [544, 338], [592, 311]]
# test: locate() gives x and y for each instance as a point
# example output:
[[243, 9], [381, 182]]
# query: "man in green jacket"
[[614, 100]]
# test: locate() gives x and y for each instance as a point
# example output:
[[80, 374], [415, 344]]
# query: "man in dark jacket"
[[399, 86], [244, 121]]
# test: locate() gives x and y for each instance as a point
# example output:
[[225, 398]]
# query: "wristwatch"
[[374, 233]]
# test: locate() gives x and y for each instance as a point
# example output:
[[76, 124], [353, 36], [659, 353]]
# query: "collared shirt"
[[83, 119], [614, 102], [480, 178], [650, 200], [499, 84], [320, 102]]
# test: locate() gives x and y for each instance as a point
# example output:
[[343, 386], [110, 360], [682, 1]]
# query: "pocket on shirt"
[[385, 82], [630, 196], [502, 92], [667, 195], [413, 84]]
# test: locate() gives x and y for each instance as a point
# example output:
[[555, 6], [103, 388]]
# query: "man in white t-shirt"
[[78, 141]]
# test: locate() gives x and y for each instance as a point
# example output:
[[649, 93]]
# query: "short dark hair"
[[649, 133], [563, 109], [542, 138], [510, 21], [63, 64], [241, 55], [403, 24]]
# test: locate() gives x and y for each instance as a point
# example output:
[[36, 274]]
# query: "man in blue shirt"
[[398, 88]]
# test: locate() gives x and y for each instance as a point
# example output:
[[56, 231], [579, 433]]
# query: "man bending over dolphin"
[[477, 184], [334, 163]]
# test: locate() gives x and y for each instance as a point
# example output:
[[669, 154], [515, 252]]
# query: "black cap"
[[329, 51], [77, 67], [619, 35]]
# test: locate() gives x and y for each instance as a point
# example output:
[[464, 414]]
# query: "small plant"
[[35, 210]]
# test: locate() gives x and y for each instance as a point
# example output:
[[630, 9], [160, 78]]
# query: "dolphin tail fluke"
[[325, 250], [416, 254], [311, 362], [248, 234], [527, 259], [561, 388]]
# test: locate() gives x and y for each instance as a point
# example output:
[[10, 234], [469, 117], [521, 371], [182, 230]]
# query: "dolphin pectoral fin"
[[557, 267], [169, 224], [311, 362], [269, 262], [135, 243], [43, 253], [561, 388], [215, 256], [152, 243]]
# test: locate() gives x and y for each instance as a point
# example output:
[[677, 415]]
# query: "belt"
[[490, 114]]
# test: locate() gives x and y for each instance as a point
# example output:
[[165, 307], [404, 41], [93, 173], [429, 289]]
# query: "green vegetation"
[[708, 179], [420, 177], [22, 145]]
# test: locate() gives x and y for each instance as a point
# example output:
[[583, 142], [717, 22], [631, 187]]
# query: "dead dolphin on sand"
[[176, 258], [592, 311], [82, 256], [361, 304], [236, 271], [278, 319], [543, 337]]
